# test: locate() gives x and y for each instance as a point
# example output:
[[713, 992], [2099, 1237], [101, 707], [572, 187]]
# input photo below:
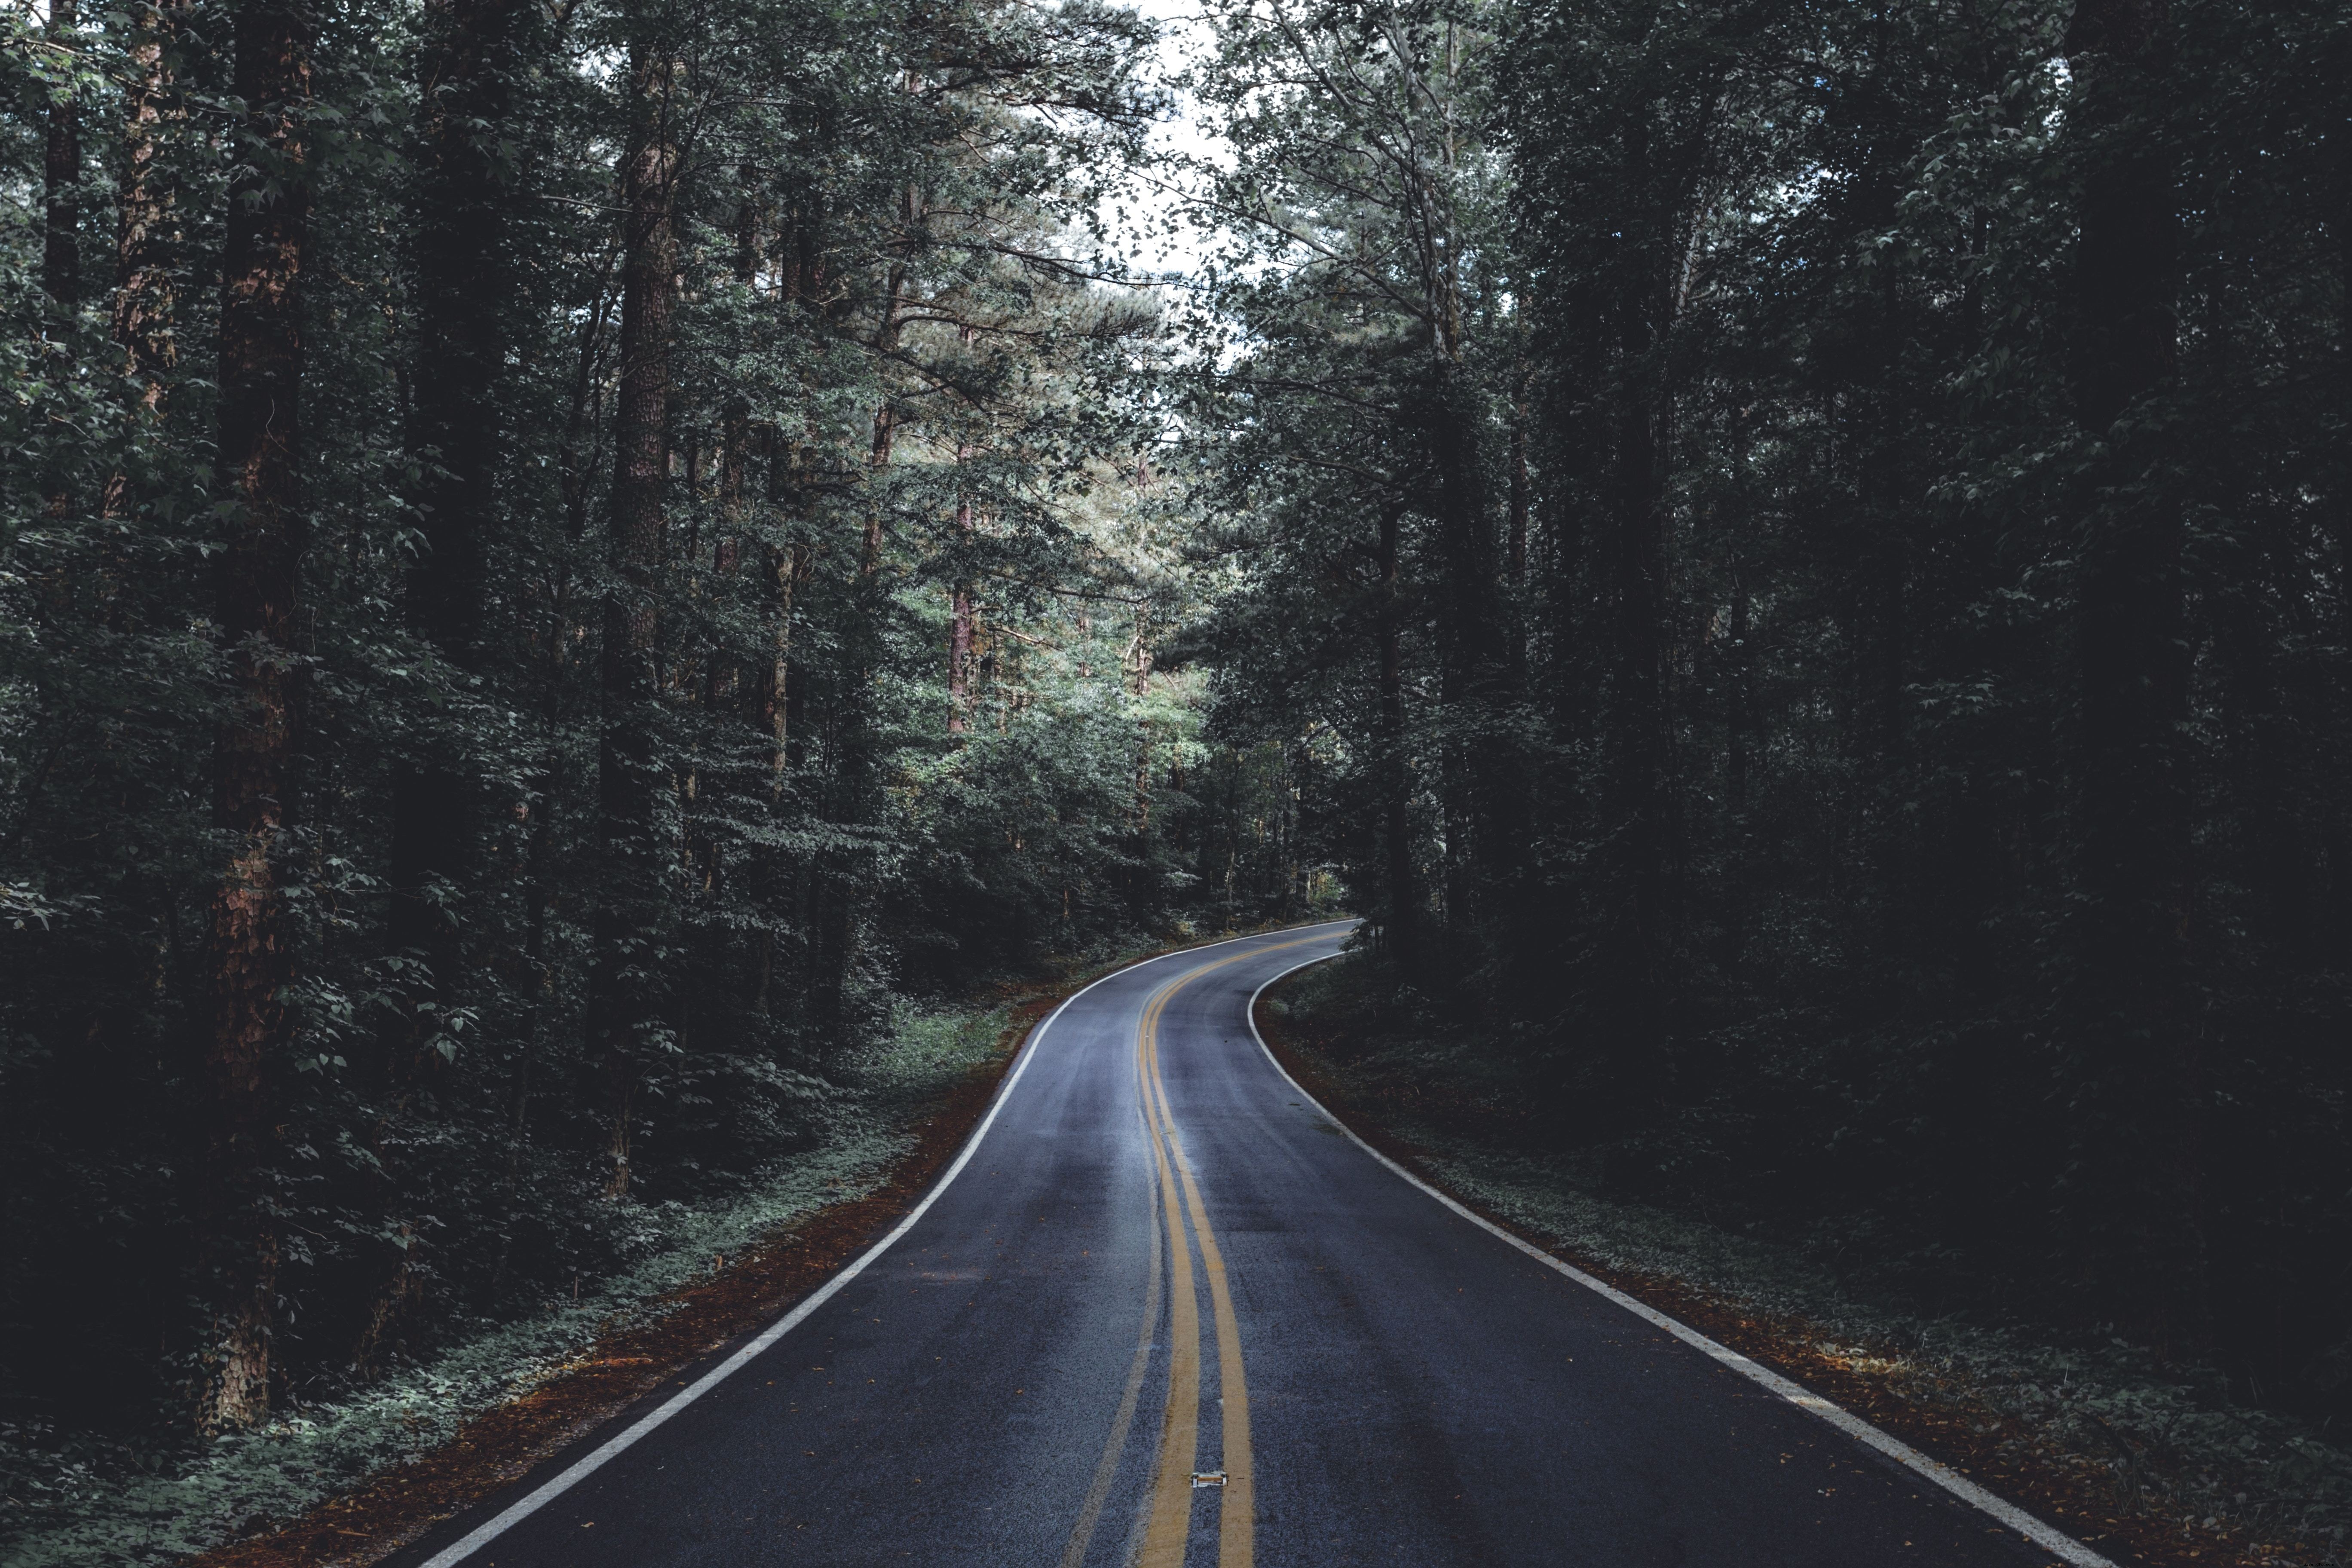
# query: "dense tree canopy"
[[1801, 554], [558, 562]]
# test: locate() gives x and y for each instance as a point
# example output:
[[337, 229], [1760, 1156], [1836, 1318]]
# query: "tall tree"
[[625, 984], [2133, 1194], [463, 285], [145, 286], [61, 172], [257, 609]]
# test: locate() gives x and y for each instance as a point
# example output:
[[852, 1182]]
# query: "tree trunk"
[[960, 617], [855, 742], [251, 959], [2132, 1197], [2341, 221], [1139, 661], [61, 178], [1635, 730], [1476, 669], [788, 567], [1519, 492], [145, 297], [1739, 709], [452, 438], [144, 241], [1646, 284], [623, 989], [1402, 936]]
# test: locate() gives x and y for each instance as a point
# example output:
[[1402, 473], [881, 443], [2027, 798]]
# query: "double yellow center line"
[[1171, 1520]]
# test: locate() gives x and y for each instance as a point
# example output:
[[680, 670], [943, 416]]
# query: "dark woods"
[[562, 560], [1801, 554], [559, 562]]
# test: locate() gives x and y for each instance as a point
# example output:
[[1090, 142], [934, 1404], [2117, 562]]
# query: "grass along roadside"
[[2147, 1468], [504, 1397], [346, 1484]]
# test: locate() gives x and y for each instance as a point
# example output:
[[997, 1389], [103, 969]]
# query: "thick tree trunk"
[[145, 296], [1519, 493], [1878, 642], [1402, 935], [1476, 669], [453, 438], [853, 740], [960, 659], [458, 228], [1740, 707], [960, 626], [885, 420], [1635, 733], [2340, 220], [1647, 280], [251, 959], [788, 567], [2132, 1194], [145, 204], [1139, 661], [623, 988], [61, 178]]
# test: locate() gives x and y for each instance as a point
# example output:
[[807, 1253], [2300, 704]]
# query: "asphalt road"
[[1354, 1372]]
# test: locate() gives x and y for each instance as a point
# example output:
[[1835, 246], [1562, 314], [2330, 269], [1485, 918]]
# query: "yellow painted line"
[[1179, 1429], [1172, 1493], [1082, 1534], [1237, 1511]]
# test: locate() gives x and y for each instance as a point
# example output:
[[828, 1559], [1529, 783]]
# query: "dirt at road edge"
[[707, 1319], [2070, 1492]]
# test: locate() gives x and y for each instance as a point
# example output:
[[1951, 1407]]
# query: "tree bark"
[[1402, 936], [2340, 220], [1519, 492], [251, 960], [1646, 283], [960, 626], [463, 274], [623, 991], [1474, 667], [61, 178], [453, 438], [145, 294], [854, 743], [2133, 1189], [1635, 732], [457, 225], [788, 567], [145, 297]]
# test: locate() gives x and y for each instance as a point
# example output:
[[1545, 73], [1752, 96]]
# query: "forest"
[[563, 560]]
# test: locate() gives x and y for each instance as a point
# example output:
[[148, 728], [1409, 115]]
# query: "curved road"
[[1328, 1365]]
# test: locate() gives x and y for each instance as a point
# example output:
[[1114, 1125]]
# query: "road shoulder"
[[1988, 1417], [657, 1344]]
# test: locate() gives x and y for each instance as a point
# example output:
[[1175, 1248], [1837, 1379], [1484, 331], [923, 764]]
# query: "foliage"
[[1824, 703], [93, 1501], [879, 727]]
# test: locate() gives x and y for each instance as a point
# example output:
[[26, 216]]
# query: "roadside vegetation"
[[568, 566], [99, 1503], [567, 574], [1801, 555], [2146, 1459]]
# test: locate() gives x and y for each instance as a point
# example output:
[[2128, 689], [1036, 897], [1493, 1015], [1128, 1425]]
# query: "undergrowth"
[[112, 1504], [2169, 1441]]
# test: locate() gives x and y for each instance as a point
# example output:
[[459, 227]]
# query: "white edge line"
[[580, 1469], [2052, 1540]]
